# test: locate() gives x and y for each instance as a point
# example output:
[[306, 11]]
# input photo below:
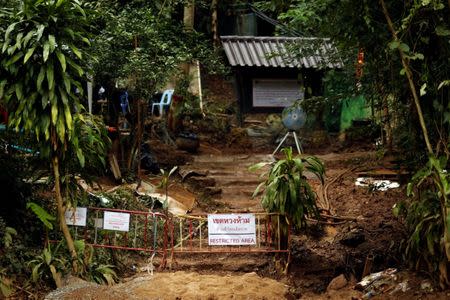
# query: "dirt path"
[[319, 254], [178, 285], [231, 175]]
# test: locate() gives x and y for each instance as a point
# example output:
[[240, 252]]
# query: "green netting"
[[355, 108]]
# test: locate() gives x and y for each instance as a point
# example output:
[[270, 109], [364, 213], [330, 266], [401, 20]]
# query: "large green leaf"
[[68, 117], [62, 60], [61, 128], [28, 54], [14, 59], [54, 113], [75, 66], [35, 272], [19, 40], [42, 214], [28, 37], [9, 30], [50, 76], [19, 91], [258, 166], [58, 4], [47, 256], [46, 50], [40, 78], [80, 157], [51, 42], [76, 51], [40, 31]]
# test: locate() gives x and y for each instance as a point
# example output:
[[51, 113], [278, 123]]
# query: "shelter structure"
[[273, 72]]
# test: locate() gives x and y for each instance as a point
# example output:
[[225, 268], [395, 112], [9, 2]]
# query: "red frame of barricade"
[[104, 235], [186, 239], [265, 242]]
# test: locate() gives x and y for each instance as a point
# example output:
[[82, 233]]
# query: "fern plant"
[[286, 189]]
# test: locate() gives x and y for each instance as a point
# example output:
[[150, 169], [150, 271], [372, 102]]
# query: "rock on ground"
[[337, 283]]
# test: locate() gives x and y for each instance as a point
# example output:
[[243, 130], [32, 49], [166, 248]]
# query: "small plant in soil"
[[286, 189]]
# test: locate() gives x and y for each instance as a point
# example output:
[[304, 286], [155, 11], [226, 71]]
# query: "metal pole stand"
[[297, 143]]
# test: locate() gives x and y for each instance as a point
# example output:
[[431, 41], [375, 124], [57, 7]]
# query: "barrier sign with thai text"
[[231, 229], [116, 221], [76, 216]]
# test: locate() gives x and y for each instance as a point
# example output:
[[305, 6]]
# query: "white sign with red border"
[[231, 229], [116, 221], [76, 216]]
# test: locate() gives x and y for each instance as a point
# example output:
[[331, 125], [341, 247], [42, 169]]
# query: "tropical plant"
[[14, 256], [8, 236], [164, 184], [90, 268], [6, 288], [44, 51], [6, 241], [42, 214], [286, 189], [50, 264], [143, 45], [405, 70], [426, 217]]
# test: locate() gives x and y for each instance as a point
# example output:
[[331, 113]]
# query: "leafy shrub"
[[427, 218], [286, 189], [48, 266], [91, 268]]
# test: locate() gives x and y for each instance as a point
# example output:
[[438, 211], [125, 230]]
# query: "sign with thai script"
[[76, 216], [276, 92], [116, 221], [231, 229]]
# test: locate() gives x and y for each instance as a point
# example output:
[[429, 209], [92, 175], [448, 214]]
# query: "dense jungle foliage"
[[49, 47]]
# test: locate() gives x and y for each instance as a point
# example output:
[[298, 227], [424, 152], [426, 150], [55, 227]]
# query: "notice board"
[[276, 92]]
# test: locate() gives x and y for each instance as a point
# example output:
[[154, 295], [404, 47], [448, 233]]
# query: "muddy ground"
[[336, 250], [362, 226]]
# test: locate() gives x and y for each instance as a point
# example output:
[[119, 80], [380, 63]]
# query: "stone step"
[[221, 172], [236, 181], [234, 159], [233, 191], [243, 205]]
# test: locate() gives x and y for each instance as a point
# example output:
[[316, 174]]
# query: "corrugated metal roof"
[[262, 51]]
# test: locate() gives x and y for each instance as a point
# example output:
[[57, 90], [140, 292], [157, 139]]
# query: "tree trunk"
[[192, 69], [188, 15], [61, 211], [214, 22], [409, 75]]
